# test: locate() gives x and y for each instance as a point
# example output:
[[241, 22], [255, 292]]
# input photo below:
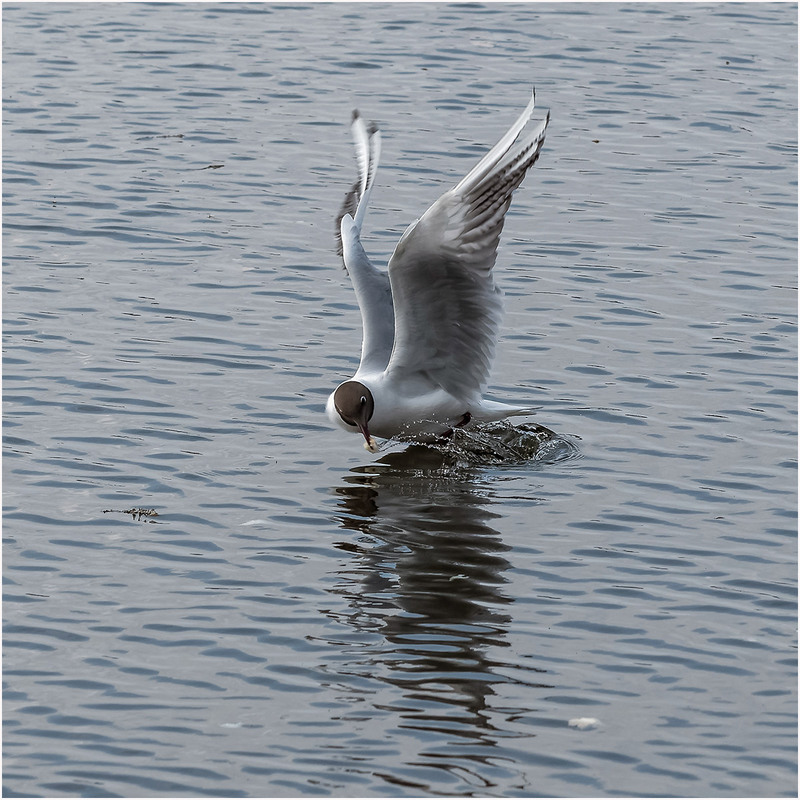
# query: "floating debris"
[[583, 723], [136, 513], [160, 136]]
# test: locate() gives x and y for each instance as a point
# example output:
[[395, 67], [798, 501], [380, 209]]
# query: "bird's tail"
[[493, 411]]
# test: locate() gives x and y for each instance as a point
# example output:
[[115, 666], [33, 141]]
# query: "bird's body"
[[430, 322]]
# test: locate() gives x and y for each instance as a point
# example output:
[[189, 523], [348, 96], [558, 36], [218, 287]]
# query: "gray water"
[[284, 613]]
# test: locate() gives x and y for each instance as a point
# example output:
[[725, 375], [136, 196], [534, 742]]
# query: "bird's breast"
[[402, 413]]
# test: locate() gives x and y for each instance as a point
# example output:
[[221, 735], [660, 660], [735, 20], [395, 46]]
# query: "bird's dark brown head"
[[355, 405]]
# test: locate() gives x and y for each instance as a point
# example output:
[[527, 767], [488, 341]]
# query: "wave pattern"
[[209, 592]]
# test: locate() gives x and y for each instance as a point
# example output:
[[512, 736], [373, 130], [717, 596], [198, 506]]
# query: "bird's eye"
[[363, 400]]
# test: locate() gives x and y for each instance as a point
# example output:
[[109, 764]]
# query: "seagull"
[[430, 322]]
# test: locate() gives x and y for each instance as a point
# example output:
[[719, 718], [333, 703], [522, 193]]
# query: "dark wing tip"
[[349, 206]]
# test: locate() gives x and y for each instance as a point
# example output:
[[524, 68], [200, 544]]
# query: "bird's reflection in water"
[[428, 579]]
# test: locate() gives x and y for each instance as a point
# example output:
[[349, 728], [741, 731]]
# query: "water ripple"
[[210, 592]]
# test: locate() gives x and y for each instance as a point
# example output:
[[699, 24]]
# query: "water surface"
[[299, 617]]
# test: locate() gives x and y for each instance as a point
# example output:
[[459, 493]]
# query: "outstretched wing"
[[373, 292], [447, 307]]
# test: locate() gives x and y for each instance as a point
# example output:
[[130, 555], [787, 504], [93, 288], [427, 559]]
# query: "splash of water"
[[488, 444], [502, 443]]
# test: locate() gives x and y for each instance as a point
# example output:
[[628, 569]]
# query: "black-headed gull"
[[430, 323]]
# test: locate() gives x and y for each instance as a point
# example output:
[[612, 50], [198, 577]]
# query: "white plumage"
[[430, 323]]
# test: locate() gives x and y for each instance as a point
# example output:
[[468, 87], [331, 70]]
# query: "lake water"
[[292, 616]]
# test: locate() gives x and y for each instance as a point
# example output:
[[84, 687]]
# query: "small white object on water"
[[371, 445], [582, 723]]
